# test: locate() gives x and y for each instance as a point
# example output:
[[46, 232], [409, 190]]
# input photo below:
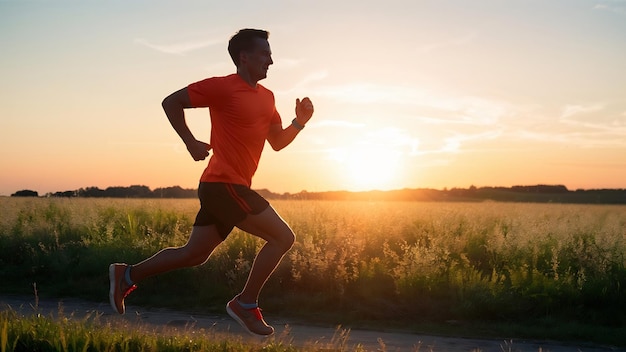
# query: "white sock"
[[127, 276], [247, 306]]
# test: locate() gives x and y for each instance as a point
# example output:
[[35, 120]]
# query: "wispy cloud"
[[179, 48], [393, 138], [575, 139], [369, 93], [459, 124], [403, 143], [594, 117], [390, 144], [429, 106], [615, 6], [577, 125], [571, 110], [305, 81], [457, 142]]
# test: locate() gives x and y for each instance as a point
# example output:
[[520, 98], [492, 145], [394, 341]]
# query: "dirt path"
[[292, 333]]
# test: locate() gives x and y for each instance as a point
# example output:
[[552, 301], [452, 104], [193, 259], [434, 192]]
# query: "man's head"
[[251, 53], [245, 41]]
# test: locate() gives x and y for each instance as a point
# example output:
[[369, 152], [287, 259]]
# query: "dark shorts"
[[225, 205]]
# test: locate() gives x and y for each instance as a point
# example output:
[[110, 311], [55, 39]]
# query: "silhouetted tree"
[[134, 191], [25, 193], [90, 192], [174, 192], [66, 194]]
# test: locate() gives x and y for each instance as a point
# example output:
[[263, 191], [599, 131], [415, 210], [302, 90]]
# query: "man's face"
[[257, 61]]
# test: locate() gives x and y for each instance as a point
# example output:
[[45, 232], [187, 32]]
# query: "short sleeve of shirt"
[[276, 118], [207, 93]]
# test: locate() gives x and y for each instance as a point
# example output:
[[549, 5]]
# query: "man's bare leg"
[[202, 241], [269, 226]]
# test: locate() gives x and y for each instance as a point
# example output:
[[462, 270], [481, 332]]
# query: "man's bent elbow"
[[168, 103], [277, 148], [277, 145], [176, 101]]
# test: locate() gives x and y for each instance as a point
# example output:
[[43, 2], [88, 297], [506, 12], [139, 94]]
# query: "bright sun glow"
[[368, 167]]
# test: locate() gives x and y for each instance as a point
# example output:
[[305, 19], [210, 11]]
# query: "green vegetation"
[[493, 269], [95, 333]]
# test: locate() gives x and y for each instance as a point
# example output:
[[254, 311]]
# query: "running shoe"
[[118, 288], [250, 319]]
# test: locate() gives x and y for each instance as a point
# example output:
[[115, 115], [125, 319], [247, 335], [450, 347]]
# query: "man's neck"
[[246, 77]]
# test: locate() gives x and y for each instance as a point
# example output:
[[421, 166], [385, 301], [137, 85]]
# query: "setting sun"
[[367, 167]]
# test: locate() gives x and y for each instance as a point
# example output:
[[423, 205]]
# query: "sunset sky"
[[407, 94]]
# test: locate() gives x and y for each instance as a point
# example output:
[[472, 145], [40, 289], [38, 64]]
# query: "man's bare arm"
[[174, 106], [279, 138]]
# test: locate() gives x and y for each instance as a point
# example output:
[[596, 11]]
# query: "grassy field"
[[67, 333], [489, 269]]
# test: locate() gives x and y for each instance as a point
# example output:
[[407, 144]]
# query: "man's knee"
[[286, 240]]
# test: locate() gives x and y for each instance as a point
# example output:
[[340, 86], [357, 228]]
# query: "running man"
[[243, 117]]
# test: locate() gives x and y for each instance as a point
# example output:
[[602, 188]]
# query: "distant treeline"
[[537, 193], [117, 192]]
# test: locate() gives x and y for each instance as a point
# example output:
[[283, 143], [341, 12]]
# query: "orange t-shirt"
[[240, 121]]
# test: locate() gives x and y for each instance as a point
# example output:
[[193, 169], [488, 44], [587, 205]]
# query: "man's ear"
[[243, 57]]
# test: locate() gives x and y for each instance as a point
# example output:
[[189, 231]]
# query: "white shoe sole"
[[112, 288]]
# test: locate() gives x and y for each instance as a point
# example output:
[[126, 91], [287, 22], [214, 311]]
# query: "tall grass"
[[395, 263], [67, 333], [485, 261]]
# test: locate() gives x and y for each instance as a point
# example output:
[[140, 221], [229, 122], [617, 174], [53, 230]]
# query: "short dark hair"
[[244, 41]]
